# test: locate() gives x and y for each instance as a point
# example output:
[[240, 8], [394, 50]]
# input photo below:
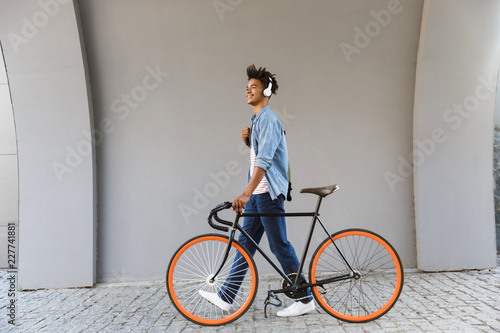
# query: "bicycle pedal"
[[268, 302]]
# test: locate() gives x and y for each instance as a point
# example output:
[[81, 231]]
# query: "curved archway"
[[52, 107]]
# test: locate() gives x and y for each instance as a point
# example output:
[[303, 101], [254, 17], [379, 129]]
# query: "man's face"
[[255, 92]]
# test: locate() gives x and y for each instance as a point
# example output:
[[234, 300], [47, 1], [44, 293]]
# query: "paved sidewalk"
[[430, 302]]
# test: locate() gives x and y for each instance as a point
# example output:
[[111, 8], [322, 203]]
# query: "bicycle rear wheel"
[[191, 269], [380, 280]]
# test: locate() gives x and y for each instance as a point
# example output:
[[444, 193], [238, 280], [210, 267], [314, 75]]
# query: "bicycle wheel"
[[379, 282], [193, 266]]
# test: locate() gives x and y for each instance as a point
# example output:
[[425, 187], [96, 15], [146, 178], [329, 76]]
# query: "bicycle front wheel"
[[191, 270], [372, 290]]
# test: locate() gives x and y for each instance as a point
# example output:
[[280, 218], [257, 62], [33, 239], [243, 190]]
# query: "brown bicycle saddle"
[[321, 191]]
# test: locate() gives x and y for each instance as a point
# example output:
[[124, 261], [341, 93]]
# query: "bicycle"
[[355, 275]]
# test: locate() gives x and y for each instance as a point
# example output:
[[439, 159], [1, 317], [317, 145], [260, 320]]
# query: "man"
[[267, 186]]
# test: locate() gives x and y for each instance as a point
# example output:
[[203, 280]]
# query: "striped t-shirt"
[[262, 187]]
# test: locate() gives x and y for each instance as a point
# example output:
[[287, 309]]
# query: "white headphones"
[[267, 91]]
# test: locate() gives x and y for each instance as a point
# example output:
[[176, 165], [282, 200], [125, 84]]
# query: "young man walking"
[[267, 187]]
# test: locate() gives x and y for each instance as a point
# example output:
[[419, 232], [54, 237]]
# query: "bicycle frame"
[[293, 284]]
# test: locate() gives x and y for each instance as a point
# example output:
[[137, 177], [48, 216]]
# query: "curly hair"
[[263, 76]]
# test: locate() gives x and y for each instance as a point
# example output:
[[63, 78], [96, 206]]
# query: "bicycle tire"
[[190, 270], [381, 276]]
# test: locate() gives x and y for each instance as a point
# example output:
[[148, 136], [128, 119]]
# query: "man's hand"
[[245, 135], [240, 202]]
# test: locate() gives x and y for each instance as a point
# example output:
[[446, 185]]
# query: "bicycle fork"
[[226, 253]]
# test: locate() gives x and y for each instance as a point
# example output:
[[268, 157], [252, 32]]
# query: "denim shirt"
[[270, 150]]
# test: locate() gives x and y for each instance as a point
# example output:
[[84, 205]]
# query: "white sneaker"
[[215, 299], [296, 309]]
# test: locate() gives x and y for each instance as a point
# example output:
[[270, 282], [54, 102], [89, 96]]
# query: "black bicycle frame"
[[315, 218]]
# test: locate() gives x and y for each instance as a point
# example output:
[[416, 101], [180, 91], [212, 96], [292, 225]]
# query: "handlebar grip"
[[218, 227], [213, 213], [216, 217], [222, 206]]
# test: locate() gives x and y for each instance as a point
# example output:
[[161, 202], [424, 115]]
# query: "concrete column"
[[453, 134], [52, 110]]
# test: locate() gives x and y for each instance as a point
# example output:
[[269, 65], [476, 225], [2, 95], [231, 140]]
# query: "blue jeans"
[[275, 229]]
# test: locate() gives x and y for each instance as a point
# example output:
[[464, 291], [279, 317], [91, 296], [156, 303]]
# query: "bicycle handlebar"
[[213, 213]]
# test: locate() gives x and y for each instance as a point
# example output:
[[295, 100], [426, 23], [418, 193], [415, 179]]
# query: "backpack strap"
[[289, 194], [289, 174]]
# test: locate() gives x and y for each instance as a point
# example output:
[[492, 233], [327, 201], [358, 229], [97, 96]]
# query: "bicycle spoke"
[[375, 285], [193, 272]]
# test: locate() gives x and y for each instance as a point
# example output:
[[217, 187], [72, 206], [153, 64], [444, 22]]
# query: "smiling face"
[[255, 92]]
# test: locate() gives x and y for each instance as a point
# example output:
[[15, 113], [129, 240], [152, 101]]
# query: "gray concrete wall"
[[47, 79], [346, 71], [167, 82], [454, 110]]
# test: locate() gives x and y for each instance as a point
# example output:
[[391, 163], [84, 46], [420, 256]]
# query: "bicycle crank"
[[293, 293]]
